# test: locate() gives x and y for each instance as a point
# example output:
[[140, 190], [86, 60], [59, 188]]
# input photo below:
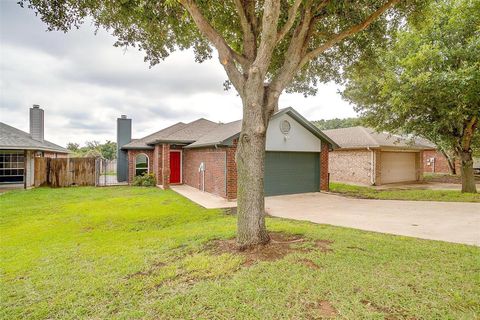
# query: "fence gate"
[[107, 173]]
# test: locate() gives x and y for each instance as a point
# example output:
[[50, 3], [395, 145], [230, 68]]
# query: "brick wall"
[[324, 167], [441, 163], [215, 165], [350, 166], [132, 154]]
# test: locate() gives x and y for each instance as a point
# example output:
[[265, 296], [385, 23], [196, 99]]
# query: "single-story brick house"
[[374, 158], [201, 154], [18, 150]]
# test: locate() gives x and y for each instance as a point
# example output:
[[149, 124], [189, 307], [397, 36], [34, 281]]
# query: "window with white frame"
[[12, 166], [141, 164]]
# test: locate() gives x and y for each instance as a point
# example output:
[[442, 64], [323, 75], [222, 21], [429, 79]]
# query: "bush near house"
[[146, 253], [145, 180]]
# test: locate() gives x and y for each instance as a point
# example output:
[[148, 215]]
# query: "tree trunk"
[[451, 165], [251, 230], [450, 162], [468, 178]]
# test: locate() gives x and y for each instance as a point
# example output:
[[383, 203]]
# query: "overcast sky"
[[84, 83]]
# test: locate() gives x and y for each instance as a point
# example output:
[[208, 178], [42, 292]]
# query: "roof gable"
[[308, 125]]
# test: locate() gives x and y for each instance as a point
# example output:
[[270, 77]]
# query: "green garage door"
[[291, 172]]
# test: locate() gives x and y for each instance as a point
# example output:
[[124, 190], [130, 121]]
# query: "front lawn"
[[125, 252], [412, 194]]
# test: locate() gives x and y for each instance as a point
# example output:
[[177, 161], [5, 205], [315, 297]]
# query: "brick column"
[[324, 167], [157, 163], [166, 166]]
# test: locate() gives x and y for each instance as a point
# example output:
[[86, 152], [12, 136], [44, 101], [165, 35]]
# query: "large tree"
[[427, 81], [265, 46]]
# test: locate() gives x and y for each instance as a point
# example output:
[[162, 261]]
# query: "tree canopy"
[[317, 34], [107, 150], [426, 81], [337, 123]]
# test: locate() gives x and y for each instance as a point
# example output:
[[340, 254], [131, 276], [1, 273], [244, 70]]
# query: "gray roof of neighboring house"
[[13, 138], [204, 133], [362, 137]]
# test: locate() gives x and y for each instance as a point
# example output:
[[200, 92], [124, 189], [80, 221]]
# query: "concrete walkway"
[[205, 199], [446, 221]]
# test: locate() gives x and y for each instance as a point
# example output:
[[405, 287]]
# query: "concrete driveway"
[[445, 221]]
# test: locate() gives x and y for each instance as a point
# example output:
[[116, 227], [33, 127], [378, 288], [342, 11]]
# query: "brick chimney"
[[36, 123], [124, 136]]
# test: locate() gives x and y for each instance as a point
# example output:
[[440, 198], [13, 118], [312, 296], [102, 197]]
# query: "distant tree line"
[[337, 123], [95, 149]]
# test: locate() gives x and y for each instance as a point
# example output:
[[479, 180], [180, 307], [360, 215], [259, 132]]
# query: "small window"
[[141, 164]]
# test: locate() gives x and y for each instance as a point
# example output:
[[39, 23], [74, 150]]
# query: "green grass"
[[127, 253], [412, 194]]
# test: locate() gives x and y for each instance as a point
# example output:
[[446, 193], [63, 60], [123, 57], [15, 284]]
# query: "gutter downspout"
[[372, 169]]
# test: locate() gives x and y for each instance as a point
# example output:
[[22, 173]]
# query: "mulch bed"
[[279, 246]]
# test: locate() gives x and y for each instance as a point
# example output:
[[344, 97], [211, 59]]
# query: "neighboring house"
[[18, 150], [201, 154], [374, 158]]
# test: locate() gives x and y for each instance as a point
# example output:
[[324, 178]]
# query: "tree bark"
[[468, 178], [451, 165], [250, 157], [464, 151]]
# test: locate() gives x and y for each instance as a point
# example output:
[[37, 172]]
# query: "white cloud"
[[84, 84]]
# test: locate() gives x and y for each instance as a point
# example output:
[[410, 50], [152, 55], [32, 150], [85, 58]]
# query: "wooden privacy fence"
[[65, 172]]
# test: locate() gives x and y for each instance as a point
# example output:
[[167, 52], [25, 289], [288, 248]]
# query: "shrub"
[[145, 180]]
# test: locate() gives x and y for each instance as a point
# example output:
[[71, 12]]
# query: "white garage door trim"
[[397, 167]]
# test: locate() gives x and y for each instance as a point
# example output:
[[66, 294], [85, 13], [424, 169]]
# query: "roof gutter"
[[35, 149]]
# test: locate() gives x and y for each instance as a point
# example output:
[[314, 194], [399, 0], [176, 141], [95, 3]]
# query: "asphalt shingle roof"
[[203, 133], [13, 138], [191, 132], [362, 137], [218, 135]]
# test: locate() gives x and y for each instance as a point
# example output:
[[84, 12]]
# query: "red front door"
[[175, 166]]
